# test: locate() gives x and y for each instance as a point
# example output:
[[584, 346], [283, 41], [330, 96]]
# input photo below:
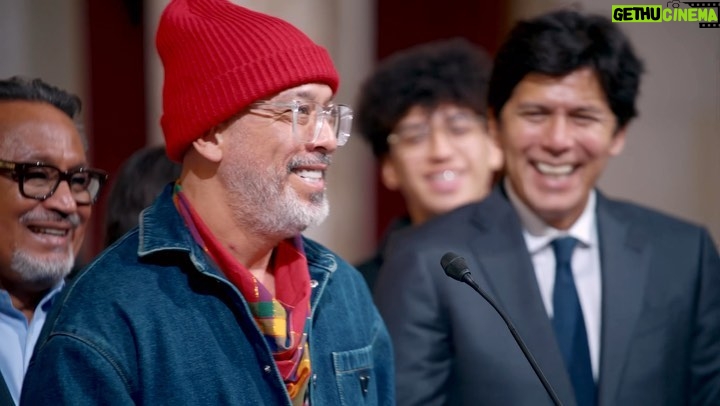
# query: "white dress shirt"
[[585, 264]]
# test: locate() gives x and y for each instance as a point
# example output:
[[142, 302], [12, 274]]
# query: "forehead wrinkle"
[[301, 94], [39, 132], [15, 136], [295, 94], [16, 148]]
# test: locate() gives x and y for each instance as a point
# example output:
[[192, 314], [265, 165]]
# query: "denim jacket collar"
[[172, 236]]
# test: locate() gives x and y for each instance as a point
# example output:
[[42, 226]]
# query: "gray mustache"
[[51, 216], [318, 158]]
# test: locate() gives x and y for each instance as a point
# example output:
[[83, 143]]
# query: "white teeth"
[[51, 231], [309, 174], [446, 175], [554, 170]]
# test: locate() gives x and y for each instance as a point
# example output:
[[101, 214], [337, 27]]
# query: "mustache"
[[315, 158], [51, 216]]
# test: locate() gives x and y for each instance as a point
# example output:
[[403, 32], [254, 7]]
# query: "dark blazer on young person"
[[660, 337], [371, 267]]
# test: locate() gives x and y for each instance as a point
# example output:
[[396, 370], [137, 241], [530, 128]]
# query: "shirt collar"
[[47, 301], [538, 234], [44, 304]]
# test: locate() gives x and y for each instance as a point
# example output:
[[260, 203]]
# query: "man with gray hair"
[[46, 197]]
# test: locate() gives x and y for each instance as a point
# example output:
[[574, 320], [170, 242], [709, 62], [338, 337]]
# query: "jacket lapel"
[[624, 261], [5, 396], [507, 270]]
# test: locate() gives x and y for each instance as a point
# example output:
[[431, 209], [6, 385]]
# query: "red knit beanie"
[[220, 57]]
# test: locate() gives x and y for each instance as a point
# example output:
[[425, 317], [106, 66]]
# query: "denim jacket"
[[150, 321]]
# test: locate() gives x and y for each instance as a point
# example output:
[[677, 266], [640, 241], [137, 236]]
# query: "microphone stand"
[[469, 280]]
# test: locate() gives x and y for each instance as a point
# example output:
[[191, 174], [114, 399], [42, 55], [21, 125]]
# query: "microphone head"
[[454, 266]]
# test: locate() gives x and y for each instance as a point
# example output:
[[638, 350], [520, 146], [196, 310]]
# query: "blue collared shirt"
[[18, 338]]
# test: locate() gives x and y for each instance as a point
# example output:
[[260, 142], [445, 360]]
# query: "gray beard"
[[41, 272], [265, 208]]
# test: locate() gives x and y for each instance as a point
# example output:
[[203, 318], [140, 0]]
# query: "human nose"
[[324, 137], [62, 199], [440, 145], [559, 136]]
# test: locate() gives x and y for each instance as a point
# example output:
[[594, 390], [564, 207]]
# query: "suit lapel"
[[624, 260], [5, 396], [505, 264]]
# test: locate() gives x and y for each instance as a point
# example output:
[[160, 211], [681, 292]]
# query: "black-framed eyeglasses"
[[308, 118], [39, 180]]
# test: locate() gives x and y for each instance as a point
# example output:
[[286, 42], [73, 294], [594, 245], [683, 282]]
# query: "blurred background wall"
[[104, 51]]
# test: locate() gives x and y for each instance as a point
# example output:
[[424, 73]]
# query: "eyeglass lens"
[[455, 126], [40, 182], [339, 118]]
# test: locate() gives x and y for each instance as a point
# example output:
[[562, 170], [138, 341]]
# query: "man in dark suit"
[[619, 304]]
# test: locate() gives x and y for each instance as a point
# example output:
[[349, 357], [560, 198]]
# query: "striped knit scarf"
[[283, 320]]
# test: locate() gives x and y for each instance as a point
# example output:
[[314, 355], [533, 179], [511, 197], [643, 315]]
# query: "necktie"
[[569, 324]]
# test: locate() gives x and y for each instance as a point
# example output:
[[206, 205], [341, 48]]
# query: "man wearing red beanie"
[[216, 298]]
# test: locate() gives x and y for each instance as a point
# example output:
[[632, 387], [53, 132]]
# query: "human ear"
[[209, 146]]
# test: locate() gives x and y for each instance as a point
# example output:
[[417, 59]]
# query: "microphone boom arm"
[[455, 267], [469, 281]]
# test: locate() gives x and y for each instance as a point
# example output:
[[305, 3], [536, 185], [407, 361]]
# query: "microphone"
[[455, 267]]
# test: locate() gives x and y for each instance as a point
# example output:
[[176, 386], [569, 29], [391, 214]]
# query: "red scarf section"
[[282, 319]]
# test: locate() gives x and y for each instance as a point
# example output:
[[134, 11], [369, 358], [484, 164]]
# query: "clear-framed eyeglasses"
[[458, 127], [39, 181], [308, 118]]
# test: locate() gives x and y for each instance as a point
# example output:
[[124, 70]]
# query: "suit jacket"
[[371, 267], [660, 337], [5, 396]]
